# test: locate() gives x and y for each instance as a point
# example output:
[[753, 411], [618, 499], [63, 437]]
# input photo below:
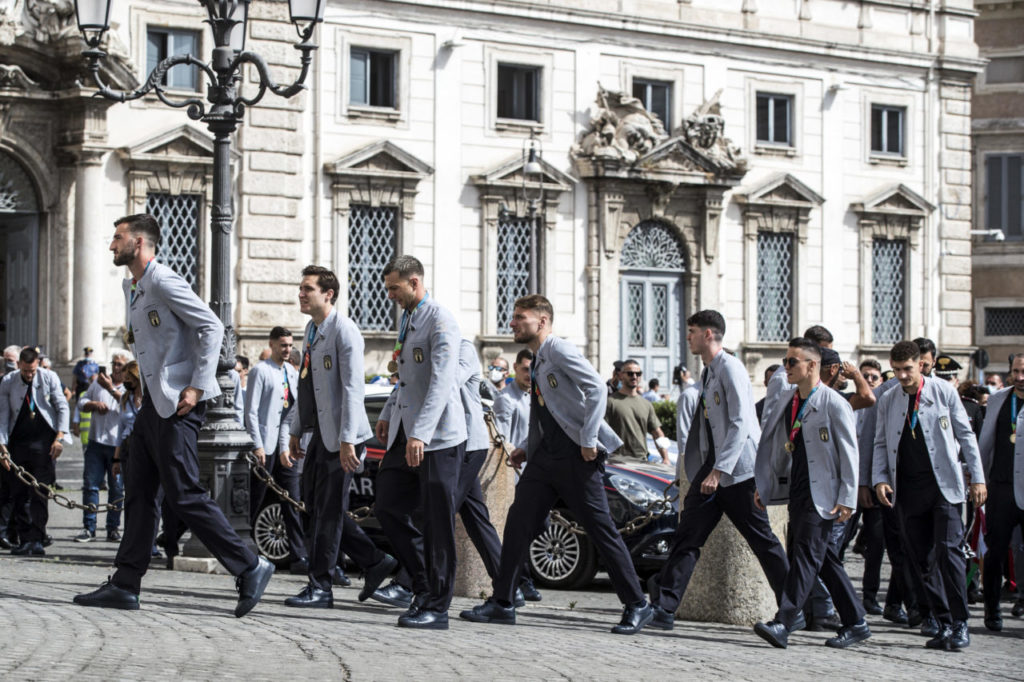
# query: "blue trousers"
[[99, 463]]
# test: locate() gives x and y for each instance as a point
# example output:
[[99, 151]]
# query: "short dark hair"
[[29, 354], [142, 225], [818, 334], [1015, 357], [873, 364], [536, 303], [708, 319], [325, 279], [279, 333], [242, 360], [629, 361], [806, 345], [971, 390], [652, 384], [905, 350], [405, 266], [524, 354], [926, 346]]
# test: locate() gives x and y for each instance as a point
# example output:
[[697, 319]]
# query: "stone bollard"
[[728, 585], [498, 484]]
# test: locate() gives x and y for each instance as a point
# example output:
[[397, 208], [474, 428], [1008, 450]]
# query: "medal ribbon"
[[403, 328], [912, 419], [31, 401], [308, 350], [797, 412], [287, 391], [1013, 416]]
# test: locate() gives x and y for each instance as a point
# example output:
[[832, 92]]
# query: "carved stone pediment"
[[896, 199], [781, 204], [382, 159], [895, 212], [183, 145], [502, 187], [783, 190], [510, 174]]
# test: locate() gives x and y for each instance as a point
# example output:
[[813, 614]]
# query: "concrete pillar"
[[498, 484], [92, 259]]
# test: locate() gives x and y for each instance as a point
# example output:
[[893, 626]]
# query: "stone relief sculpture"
[[10, 20], [705, 130], [54, 19], [621, 128]]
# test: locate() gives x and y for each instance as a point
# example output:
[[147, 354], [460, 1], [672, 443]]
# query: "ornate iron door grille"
[[513, 267], [372, 241], [774, 286], [888, 294], [178, 216]]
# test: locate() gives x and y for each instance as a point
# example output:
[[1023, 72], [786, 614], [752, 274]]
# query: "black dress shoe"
[[393, 594], [109, 596], [930, 627], [530, 591], [960, 638], [339, 578], [47, 540], [914, 617], [5, 543], [872, 607], [251, 586], [1018, 608], [29, 549], [375, 575], [311, 597], [974, 595], [663, 620], [849, 636], [894, 613], [773, 632], [490, 612], [942, 638], [798, 624], [830, 622], [634, 618], [424, 619], [994, 620]]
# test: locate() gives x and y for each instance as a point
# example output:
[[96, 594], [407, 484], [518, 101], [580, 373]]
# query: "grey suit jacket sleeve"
[[880, 458], [595, 393], [291, 419], [253, 396], [60, 403], [866, 441], [5, 410], [965, 436], [389, 407], [468, 365], [685, 410], [197, 315], [844, 430], [349, 346], [502, 411], [445, 347], [737, 432]]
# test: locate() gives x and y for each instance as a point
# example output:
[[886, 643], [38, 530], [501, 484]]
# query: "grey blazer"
[[686, 410], [828, 433], [469, 391], [988, 436], [943, 422], [336, 362], [47, 394], [512, 414], [264, 404], [866, 421], [177, 338], [730, 405], [428, 403], [575, 396]]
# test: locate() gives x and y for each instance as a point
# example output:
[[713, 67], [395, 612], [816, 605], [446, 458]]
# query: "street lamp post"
[[533, 194], [222, 441]]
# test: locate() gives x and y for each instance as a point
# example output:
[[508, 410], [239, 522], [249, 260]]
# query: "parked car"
[[558, 557]]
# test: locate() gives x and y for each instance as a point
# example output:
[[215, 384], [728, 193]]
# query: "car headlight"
[[639, 494]]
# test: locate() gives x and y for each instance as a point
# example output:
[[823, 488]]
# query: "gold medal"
[[1013, 437], [392, 366], [285, 405], [540, 399], [705, 413], [305, 372], [790, 447]]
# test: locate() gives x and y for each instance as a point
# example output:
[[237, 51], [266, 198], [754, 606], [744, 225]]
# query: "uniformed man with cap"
[[807, 457], [567, 444], [916, 470], [1002, 456], [947, 368]]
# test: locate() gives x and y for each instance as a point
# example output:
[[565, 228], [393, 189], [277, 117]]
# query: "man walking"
[[177, 340]]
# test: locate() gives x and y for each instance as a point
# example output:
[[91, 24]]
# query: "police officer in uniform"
[[33, 421], [719, 462], [568, 443], [331, 409], [807, 456], [916, 470], [176, 339], [426, 443], [1002, 456]]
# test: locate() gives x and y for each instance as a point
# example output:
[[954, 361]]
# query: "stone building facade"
[[787, 163]]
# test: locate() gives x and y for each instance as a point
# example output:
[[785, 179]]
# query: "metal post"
[[534, 282]]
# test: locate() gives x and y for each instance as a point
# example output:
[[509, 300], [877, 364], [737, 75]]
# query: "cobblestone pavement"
[[186, 630]]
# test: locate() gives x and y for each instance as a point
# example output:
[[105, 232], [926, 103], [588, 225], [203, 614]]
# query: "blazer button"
[[401, 383]]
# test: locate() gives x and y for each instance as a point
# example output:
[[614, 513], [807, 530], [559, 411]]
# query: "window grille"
[[650, 246], [513, 267], [635, 306], [372, 238], [888, 294], [1004, 321], [178, 216], [774, 286]]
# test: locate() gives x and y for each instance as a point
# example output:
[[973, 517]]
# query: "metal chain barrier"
[[47, 493], [498, 439], [654, 510], [268, 480]]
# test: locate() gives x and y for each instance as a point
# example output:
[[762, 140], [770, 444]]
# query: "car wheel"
[[562, 559], [270, 535]]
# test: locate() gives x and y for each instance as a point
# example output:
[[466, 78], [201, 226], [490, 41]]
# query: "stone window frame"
[[980, 306], [352, 184], [763, 212], [982, 87], [875, 220], [147, 172], [665, 72], [180, 19], [793, 88], [401, 45], [982, 154], [544, 60], [892, 99]]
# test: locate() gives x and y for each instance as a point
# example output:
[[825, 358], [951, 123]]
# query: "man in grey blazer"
[[719, 463], [269, 411], [686, 411], [426, 443], [512, 406], [807, 457], [916, 470], [567, 446], [1002, 457], [176, 340], [330, 407], [33, 423]]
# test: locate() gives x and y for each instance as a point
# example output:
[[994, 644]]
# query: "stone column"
[[498, 484], [92, 259]]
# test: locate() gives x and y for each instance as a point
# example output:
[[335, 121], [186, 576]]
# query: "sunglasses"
[[503, 369], [873, 377], [633, 374], [792, 362]]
